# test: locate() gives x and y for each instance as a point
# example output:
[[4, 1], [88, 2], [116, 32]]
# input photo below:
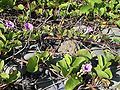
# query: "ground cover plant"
[[59, 44]]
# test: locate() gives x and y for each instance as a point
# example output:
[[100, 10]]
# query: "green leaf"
[[70, 71], [1, 65], [84, 53], [105, 60], [51, 4], [101, 73], [62, 64], [56, 68], [108, 71], [33, 5], [17, 42], [116, 39], [40, 10], [97, 1], [32, 65], [64, 71], [2, 26], [2, 36], [96, 11], [100, 61], [1, 45], [78, 61], [117, 7], [85, 9], [109, 55], [68, 59], [118, 23], [72, 83], [45, 54], [108, 64], [64, 5], [4, 75], [7, 3], [70, 35], [112, 15], [65, 32], [102, 11], [20, 7], [111, 4], [92, 2], [13, 76]]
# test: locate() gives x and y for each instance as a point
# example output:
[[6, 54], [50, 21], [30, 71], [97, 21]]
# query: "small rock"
[[97, 51], [114, 31], [69, 46], [28, 56]]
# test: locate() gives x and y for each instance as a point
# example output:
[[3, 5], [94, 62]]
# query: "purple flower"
[[89, 29], [86, 67], [9, 24], [28, 26]]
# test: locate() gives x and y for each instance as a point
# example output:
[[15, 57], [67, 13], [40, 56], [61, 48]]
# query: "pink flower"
[[9, 24], [28, 26], [89, 29], [87, 67]]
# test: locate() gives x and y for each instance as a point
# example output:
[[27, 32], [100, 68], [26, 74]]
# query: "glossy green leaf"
[[17, 42], [116, 39], [1, 44], [108, 64], [63, 6], [84, 53], [108, 71], [92, 2], [2, 27], [112, 15], [105, 60], [101, 73], [68, 59], [109, 55], [2, 37], [62, 64], [13, 76], [112, 3], [85, 9], [64, 71], [97, 1], [102, 11], [70, 71], [117, 22], [4, 75], [20, 7], [72, 83], [100, 61], [96, 11], [78, 61], [33, 5], [40, 10], [45, 54], [117, 7], [32, 65], [1, 65]]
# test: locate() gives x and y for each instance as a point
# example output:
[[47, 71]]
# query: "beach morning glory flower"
[[28, 26], [87, 67], [9, 24], [89, 29]]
